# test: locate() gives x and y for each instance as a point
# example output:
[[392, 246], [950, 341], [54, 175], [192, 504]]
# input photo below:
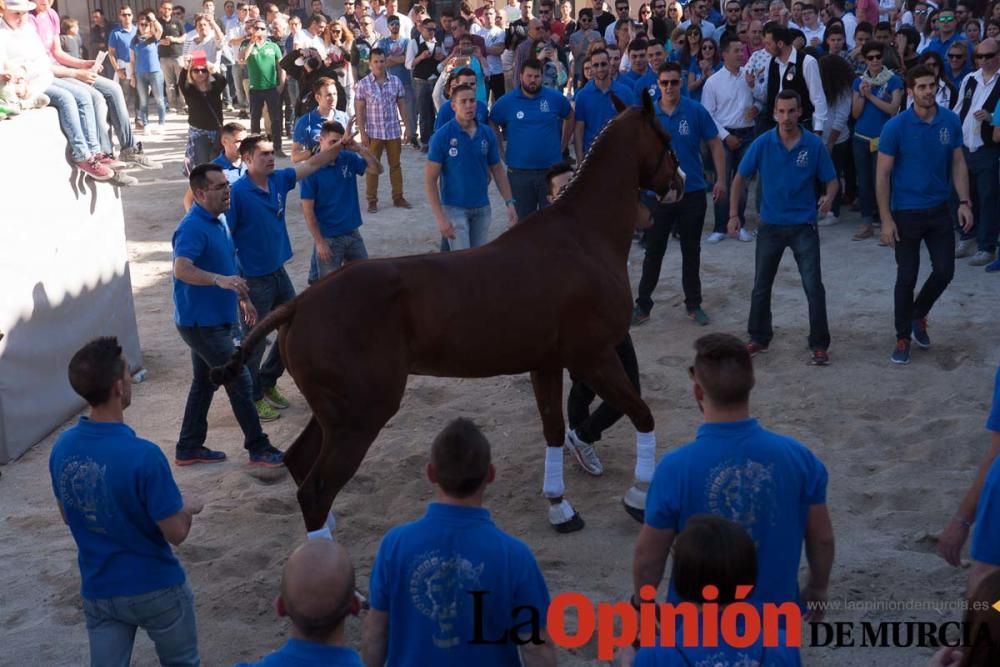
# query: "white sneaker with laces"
[[746, 236], [584, 453], [715, 237], [828, 220]]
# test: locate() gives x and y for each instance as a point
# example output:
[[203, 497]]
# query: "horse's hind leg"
[[302, 454], [548, 395], [606, 376]]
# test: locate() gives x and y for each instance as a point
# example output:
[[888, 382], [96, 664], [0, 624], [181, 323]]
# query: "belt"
[[739, 130]]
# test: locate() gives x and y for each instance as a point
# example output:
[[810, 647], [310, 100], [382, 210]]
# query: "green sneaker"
[[275, 398], [265, 412]]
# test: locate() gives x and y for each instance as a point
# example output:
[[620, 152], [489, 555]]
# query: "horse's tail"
[[230, 371]]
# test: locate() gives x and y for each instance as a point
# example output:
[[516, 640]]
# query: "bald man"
[[317, 595]]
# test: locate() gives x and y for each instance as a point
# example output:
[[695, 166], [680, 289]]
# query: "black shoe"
[[199, 455]]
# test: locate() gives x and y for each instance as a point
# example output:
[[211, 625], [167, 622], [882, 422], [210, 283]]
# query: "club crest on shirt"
[[802, 159], [742, 492], [543, 106], [484, 146], [438, 588], [520, 115], [83, 487], [453, 151], [944, 136], [454, 141], [683, 128], [343, 171]]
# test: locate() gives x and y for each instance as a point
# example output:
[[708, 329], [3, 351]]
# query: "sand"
[[901, 443]]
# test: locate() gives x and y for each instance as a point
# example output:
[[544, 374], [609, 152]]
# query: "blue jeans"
[[472, 226], [344, 248], [984, 175], [530, 189], [267, 293], [864, 167], [76, 117], [213, 346], [771, 243], [167, 615], [143, 83], [109, 103], [424, 102], [733, 158]]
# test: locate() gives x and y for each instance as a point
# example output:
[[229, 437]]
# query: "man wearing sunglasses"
[[594, 107], [120, 53], [170, 51], [267, 82], [948, 34], [977, 101], [688, 124]]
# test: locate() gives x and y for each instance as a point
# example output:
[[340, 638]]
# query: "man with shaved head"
[[317, 595]]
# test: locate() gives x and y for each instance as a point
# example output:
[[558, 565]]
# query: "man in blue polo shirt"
[[638, 62], [116, 494], [305, 137], [769, 483], [446, 114], [535, 123], [948, 33], [229, 159], [330, 202], [656, 55], [256, 218], [790, 163], [689, 124], [207, 289], [443, 579], [594, 107], [317, 595], [920, 160], [462, 156]]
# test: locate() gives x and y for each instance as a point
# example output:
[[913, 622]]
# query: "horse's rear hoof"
[[574, 524], [634, 502], [634, 512]]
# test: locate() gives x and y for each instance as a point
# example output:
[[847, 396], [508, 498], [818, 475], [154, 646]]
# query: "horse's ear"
[[619, 105], [647, 103]]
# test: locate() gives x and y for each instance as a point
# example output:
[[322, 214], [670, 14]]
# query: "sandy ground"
[[901, 443]]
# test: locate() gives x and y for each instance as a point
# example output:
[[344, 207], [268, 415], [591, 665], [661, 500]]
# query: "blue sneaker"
[[699, 316], [993, 267], [901, 355], [638, 317], [920, 333], [268, 457], [200, 455]]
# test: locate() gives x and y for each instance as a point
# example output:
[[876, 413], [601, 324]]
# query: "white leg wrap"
[[331, 521], [553, 486], [561, 513], [321, 534], [645, 456]]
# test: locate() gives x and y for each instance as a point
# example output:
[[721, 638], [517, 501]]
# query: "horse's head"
[[660, 171]]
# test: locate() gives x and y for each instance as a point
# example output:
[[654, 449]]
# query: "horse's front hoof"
[[634, 502], [564, 519]]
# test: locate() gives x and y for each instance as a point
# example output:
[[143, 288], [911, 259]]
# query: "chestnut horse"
[[549, 294]]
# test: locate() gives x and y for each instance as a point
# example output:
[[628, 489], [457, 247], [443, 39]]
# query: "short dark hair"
[[789, 94], [586, 11], [555, 172], [873, 46], [460, 455], [462, 21], [450, 13], [232, 128], [883, 25], [331, 126], [778, 32], [713, 551], [249, 144], [198, 180], [638, 44], [864, 26], [391, 18], [425, 22], [723, 368], [96, 367], [322, 83], [918, 72], [461, 88], [670, 66], [809, 6], [729, 39], [377, 51], [533, 63], [317, 18]]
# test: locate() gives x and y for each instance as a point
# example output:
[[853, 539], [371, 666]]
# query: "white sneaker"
[[828, 220], [746, 236], [715, 237], [584, 453]]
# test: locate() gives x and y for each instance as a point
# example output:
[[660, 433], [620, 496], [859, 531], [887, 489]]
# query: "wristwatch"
[[510, 202]]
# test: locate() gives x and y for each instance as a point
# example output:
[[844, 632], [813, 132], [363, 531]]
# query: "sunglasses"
[[956, 56], [669, 83], [125, 14], [259, 28], [919, 12], [946, 19], [600, 65], [708, 47], [874, 56], [986, 56]]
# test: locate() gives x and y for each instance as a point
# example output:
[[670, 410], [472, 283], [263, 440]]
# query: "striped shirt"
[[381, 113]]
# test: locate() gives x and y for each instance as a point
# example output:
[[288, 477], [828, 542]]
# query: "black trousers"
[[271, 97], [689, 217], [933, 227], [590, 425]]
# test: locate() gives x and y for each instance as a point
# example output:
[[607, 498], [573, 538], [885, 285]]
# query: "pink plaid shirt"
[[381, 113]]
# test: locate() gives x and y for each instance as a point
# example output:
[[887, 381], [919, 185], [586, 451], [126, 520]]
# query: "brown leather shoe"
[[401, 203], [373, 206]]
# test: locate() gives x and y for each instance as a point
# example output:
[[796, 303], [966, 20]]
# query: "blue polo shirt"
[[630, 78], [788, 177], [941, 47], [334, 191], [231, 171], [532, 127], [206, 241], [764, 481], [594, 108], [120, 40], [257, 221], [872, 119], [722, 655], [689, 125], [301, 653], [147, 58], [921, 171], [309, 126], [422, 577], [465, 163], [446, 114], [646, 82], [993, 423], [113, 488], [986, 536]]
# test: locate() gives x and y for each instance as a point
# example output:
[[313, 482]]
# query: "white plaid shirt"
[[381, 113]]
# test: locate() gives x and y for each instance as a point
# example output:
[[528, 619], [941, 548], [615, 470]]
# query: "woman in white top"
[[838, 78]]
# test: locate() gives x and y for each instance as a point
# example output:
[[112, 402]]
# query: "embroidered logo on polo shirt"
[[944, 136], [520, 115], [484, 146], [743, 492], [437, 590], [683, 128], [343, 171], [454, 141], [543, 106], [802, 159]]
